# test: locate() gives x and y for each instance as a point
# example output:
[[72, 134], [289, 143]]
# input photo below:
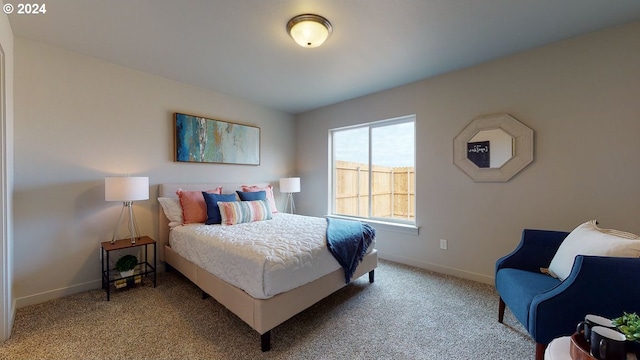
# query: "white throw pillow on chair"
[[589, 239]]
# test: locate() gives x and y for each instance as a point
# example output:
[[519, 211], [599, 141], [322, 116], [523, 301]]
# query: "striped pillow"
[[237, 212]]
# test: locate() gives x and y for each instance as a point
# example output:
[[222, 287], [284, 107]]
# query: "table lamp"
[[126, 189], [289, 186]]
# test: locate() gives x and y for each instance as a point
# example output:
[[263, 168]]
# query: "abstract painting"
[[199, 139]]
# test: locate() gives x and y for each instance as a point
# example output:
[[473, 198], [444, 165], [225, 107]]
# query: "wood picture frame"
[[203, 140]]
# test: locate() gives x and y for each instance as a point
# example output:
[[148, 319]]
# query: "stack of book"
[[130, 281]]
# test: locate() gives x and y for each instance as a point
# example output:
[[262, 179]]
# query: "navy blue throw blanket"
[[348, 241]]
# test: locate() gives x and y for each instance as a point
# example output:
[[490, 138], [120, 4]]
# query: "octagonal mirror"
[[493, 148]]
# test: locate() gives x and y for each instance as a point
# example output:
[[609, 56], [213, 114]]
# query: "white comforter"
[[264, 258]]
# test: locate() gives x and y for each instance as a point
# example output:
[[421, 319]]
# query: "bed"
[[262, 309]]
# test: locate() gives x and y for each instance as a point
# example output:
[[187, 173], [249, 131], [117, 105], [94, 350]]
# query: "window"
[[373, 170]]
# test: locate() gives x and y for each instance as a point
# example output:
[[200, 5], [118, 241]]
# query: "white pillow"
[[589, 239], [172, 210]]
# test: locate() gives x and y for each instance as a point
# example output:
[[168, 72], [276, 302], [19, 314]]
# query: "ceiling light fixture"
[[309, 30]]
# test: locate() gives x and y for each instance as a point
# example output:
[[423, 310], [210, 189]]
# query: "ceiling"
[[241, 48]]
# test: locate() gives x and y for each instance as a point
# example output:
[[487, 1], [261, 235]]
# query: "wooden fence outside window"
[[393, 191]]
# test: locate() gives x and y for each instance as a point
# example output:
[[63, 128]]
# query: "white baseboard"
[[438, 268], [57, 293]]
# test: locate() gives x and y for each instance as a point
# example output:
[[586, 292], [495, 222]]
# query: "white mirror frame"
[[522, 152]]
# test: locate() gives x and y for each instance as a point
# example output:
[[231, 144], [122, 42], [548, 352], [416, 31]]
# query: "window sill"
[[384, 225]]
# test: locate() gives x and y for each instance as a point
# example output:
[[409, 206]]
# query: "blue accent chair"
[[549, 308]]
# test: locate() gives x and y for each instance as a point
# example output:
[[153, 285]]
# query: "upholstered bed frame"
[[261, 314]]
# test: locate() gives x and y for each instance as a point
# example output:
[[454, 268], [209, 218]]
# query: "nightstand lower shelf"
[[143, 268]]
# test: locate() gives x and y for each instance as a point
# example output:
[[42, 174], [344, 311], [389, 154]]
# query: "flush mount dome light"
[[309, 30]]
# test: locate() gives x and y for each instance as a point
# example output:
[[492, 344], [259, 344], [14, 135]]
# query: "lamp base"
[[290, 204], [133, 226]]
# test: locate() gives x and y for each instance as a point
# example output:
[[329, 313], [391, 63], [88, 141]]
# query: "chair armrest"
[[536, 249], [605, 286]]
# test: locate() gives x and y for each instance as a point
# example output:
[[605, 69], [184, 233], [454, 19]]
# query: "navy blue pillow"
[[213, 212], [252, 195]]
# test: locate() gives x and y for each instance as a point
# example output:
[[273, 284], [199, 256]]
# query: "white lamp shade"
[[129, 188], [290, 185]]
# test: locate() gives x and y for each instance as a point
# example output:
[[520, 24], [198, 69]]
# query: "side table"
[[558, 349], [562, 349], [143, 268]]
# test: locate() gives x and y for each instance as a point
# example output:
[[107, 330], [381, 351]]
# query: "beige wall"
[[579, 96], [77, 120], [7, 308]]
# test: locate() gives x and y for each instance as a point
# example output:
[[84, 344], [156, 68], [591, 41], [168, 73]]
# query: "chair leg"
[[501, 307], [540, 348]]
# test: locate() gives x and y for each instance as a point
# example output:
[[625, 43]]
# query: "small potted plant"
[[629, 325], [126, 264]]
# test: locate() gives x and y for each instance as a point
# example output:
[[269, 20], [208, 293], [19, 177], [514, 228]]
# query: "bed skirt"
[[265, 314]]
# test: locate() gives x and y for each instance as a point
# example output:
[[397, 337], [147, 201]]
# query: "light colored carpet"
[[408, 313]]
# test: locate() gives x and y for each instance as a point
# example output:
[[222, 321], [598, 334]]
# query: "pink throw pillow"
[[268, 189], [194, 209]]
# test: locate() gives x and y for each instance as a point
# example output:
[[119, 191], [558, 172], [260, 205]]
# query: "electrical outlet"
[[443, 244]]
